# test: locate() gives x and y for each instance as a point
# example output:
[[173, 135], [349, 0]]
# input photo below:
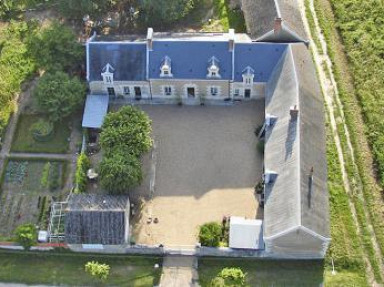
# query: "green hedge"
[[81, 180]]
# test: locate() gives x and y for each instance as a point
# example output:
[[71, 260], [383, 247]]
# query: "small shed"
[[97, 219], [245, 233]]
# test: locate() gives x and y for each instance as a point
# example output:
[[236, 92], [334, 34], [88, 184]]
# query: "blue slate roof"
[[261, 57], [128, 60], [190, 59], [96, 107]]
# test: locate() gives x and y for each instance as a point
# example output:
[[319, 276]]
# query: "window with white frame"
[[214, 91], [107, 74], [236, 92], [213, 68], [168, 90], [165, 69], [126, 91], [248, 74]]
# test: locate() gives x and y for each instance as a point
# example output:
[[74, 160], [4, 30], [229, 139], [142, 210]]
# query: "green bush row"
[[81, 180]]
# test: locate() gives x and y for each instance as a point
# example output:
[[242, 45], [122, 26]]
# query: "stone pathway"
[[179, 271]]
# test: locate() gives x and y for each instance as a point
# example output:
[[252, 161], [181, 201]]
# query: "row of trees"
[[125, 137], [26, 48], [150, 12]]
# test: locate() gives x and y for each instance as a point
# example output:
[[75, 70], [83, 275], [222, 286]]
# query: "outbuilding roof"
[[96, 107], [97, 219], [245, 233]]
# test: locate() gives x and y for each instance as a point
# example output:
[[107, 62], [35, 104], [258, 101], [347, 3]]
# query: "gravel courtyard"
[[204, 165]]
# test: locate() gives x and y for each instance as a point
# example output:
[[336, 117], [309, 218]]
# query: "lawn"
[[265, 272], [68, 269], [24, 142]]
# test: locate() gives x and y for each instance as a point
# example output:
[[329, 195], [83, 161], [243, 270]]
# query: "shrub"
[[120, 171], [98, 270], [210, 234], [83, 164], [128, 129], [26, 235], [44, 181], [229, 277], [42, 130], [260, 146]]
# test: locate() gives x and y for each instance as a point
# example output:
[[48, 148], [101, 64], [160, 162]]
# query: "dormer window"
[[165, 69], [107, 74], [248, 75], [213, 68]]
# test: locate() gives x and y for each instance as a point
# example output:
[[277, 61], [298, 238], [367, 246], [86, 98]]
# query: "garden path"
[[179, 271]]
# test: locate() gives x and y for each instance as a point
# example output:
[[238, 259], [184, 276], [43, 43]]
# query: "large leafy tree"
[[58, 95], [77, 9], [158, 12], [56, 48], [26, 235], [119, 172], [128, 129]]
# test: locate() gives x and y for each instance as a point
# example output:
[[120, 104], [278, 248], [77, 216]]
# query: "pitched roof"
[[294, 147], [96, 219], [190, 59], [261, 57], [283, 35], [96, 107], [259, 16], [127, 58]]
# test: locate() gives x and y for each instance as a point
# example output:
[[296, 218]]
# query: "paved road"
[[179, 271]]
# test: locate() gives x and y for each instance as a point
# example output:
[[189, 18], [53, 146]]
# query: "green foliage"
[[119, 171], [98, 270], [59, 95], [42, 130], [45, 175], [229, 277], [83, 164], [360, 24], [10, 7], [16, 65], [162, 12], [77, 9], [129, 129], [26, 235], [229, 18], [210, 234], [56, 48]]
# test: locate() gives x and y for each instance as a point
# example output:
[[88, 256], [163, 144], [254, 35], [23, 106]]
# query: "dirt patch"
[[204, 166]]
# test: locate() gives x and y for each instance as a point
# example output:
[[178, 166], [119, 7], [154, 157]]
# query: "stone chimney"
[[150, 39], [277, 25], [231, 39], [294, 112]]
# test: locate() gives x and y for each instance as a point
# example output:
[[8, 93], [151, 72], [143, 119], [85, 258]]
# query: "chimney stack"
[[231, 39], [294, 112], [277, 25], [150, 39]]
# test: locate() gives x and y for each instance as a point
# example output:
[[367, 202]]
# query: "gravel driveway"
[[206, 164]]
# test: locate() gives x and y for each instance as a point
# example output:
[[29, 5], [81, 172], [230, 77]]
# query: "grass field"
[[265, 272], [24, 142], [68, 269]]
